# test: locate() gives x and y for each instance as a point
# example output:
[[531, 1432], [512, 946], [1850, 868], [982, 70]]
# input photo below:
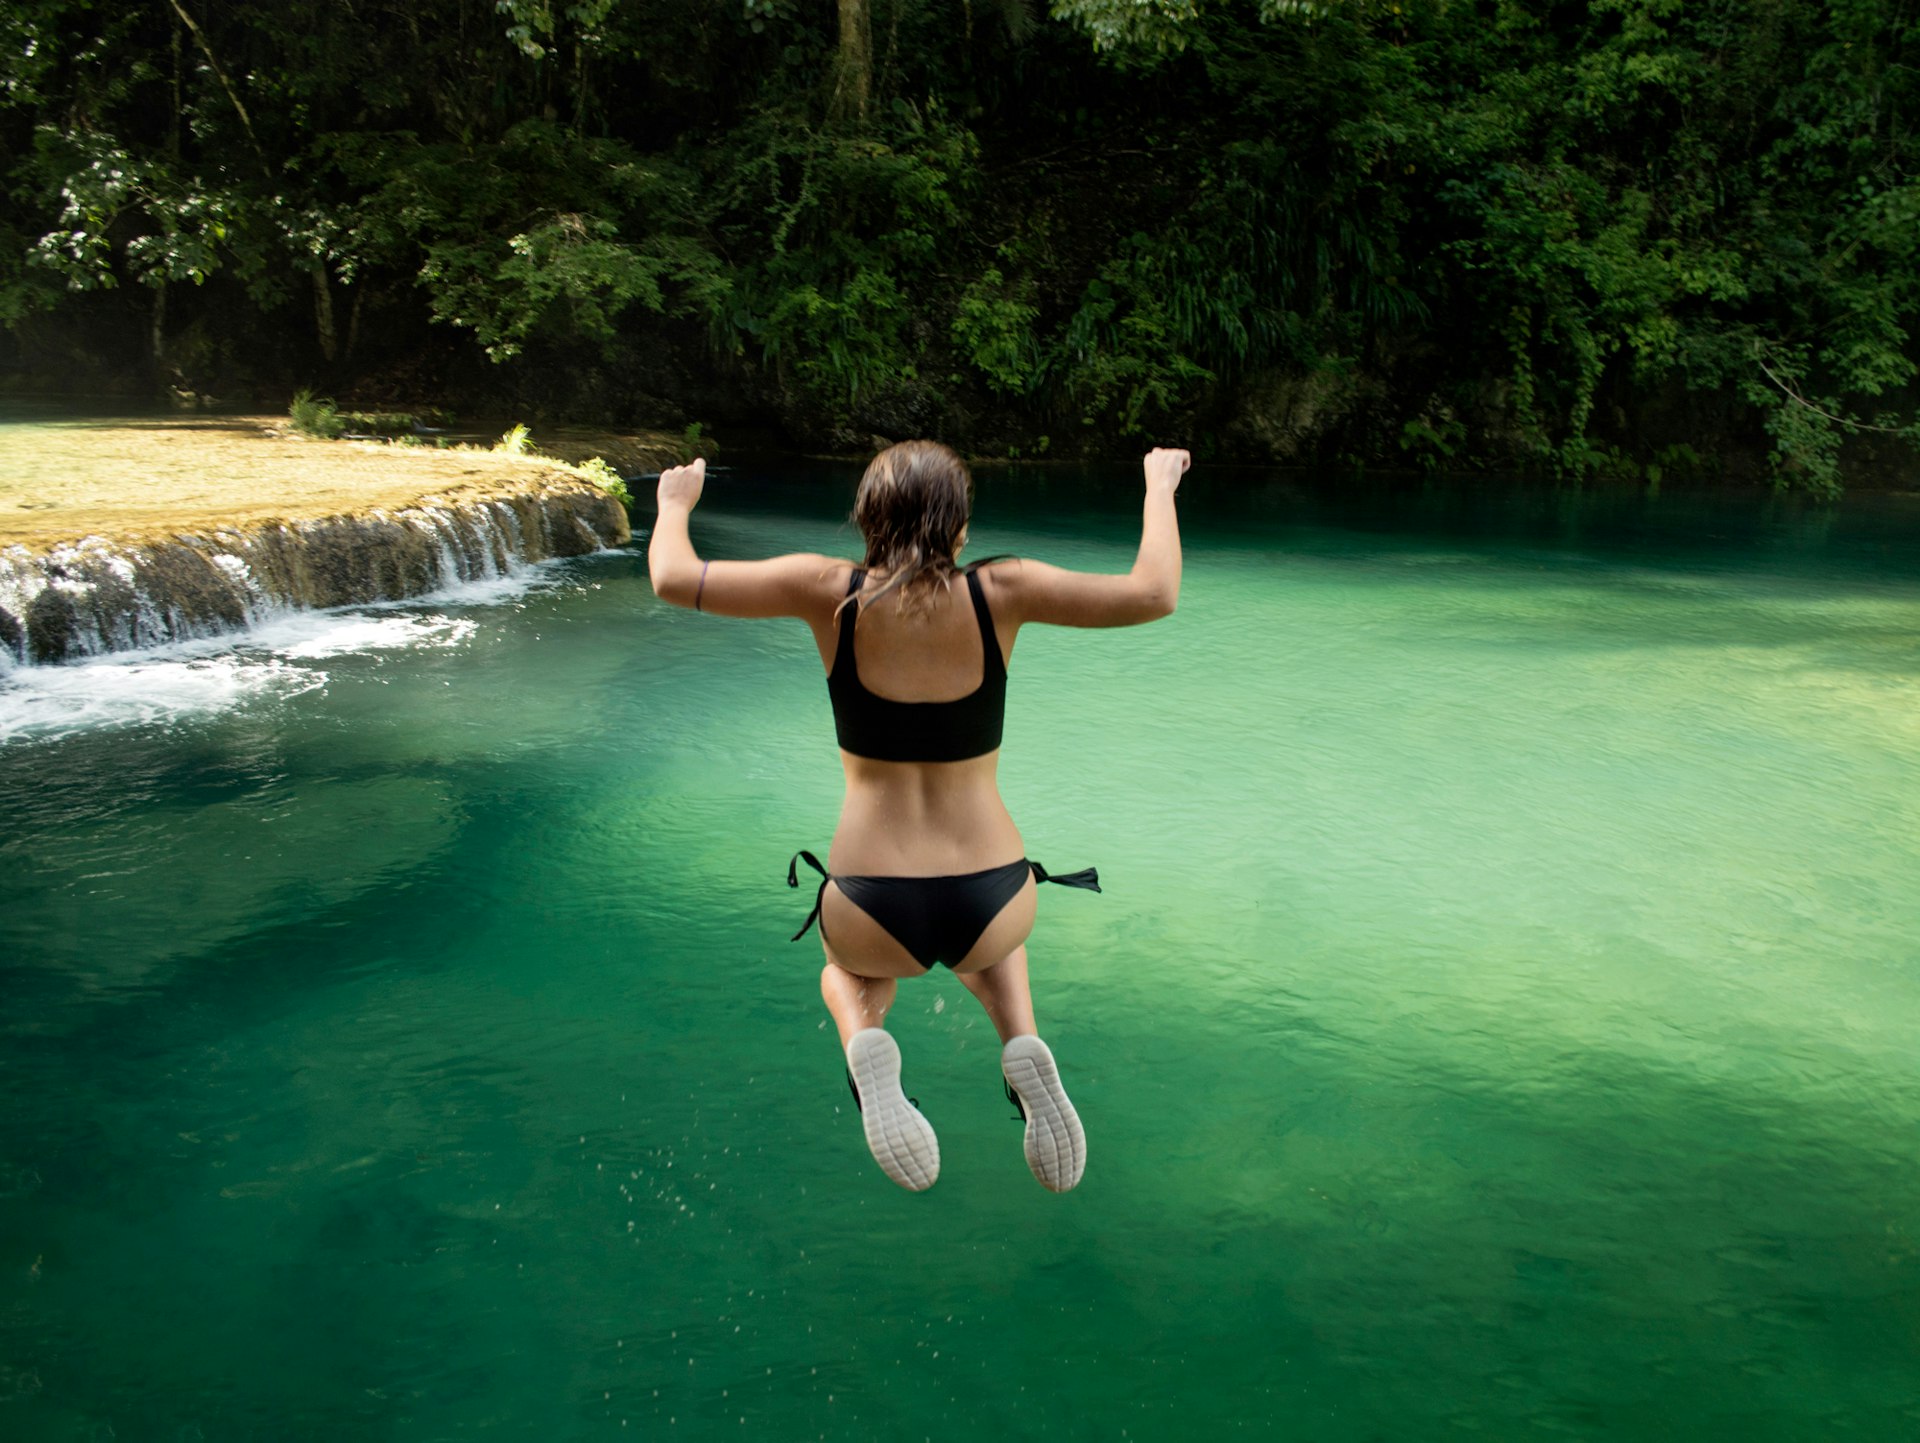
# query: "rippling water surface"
[[1500, 1018]]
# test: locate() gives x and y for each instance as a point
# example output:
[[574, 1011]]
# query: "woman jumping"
[[926, 865]]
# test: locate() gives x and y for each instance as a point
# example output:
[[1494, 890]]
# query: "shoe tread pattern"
[[1056, 1145], [900, 1139]]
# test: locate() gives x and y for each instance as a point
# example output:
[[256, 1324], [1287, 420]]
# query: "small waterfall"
[[88, 597]]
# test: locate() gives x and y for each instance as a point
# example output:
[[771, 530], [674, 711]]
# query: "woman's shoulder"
[[999, 576], [825, 572], [996, 572], [832, 576], [832, 570]]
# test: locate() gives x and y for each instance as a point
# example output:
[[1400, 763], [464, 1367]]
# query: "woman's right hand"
[[1165, 466], [681, 485]]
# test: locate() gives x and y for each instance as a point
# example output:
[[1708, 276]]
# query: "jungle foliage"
[[1462, 230]]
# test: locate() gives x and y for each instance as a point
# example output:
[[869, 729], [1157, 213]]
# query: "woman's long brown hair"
[[912, 509]]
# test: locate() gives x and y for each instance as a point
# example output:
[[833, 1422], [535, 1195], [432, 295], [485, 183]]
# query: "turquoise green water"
[[1500, 1017]]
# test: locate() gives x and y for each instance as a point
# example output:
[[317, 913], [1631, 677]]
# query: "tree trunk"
[[173, 132], [323, 314], [158, 339], [213, 64], [853, 68]]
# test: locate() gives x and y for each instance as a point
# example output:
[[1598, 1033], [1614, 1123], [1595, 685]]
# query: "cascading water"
[[88, 597]]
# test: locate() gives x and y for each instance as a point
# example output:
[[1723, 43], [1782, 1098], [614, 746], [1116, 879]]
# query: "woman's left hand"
[[681, 485]]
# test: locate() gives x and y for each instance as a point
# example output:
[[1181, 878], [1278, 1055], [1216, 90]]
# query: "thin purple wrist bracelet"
[[702, 591]]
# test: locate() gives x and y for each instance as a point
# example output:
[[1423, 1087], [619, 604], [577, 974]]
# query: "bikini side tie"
[[793, 880], [1087, 879]]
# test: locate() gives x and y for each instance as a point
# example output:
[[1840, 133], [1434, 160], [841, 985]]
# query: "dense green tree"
[[1576, 236]]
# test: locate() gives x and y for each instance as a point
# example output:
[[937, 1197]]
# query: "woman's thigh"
[[1004, 991]]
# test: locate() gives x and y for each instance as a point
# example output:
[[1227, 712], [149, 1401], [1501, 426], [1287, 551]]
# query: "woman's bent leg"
[[1055, 1142], [1002, 989], [897, 1135], [856, 1002]]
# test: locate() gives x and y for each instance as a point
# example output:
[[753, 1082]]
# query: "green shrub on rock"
[[312, 415], [606, 478]]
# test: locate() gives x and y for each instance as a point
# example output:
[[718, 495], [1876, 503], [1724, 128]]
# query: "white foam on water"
[[134, 688], [271, 661], [514, 583], [310, 636]]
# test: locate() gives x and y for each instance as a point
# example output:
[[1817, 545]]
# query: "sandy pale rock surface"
[[142, 479]]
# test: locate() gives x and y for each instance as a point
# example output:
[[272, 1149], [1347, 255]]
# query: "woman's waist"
[[887, 833]]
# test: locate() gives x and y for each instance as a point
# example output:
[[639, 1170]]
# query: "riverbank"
[[142, 480], [127, 533]]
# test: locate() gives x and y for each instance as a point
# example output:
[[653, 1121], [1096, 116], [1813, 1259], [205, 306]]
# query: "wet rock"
[[1291, 416], [198, 595], [52, 625], [13, 636], [95, 596]]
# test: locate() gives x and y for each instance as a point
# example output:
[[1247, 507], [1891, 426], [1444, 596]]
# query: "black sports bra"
[[884, 730]]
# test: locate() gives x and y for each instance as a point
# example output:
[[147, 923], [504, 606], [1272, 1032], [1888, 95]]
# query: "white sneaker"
[[1056, 1144], [901, 1140]]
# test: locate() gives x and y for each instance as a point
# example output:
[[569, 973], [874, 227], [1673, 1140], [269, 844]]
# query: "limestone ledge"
[[83, 598]]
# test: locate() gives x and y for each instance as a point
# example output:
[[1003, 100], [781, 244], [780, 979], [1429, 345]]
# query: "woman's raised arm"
[[782, 586], [1036, 591]]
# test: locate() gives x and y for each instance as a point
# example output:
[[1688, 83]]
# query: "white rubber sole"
[[1056, 1143], [900, 1139]]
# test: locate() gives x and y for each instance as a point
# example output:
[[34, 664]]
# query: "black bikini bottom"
[[937, 919]]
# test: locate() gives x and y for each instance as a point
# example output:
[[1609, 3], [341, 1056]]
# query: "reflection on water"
[[1499, 1016]]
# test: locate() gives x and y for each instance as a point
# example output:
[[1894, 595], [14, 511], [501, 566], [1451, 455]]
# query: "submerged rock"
[[97, 595]]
